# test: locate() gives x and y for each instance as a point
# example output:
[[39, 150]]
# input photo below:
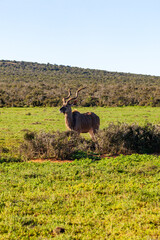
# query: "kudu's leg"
[[91, 133]]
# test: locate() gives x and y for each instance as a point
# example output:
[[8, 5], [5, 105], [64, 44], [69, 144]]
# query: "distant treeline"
[[25, 84]]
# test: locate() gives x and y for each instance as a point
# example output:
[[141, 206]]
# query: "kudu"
[[80, 122]]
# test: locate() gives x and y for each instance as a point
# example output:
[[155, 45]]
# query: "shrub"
[[115, 139], [9, 159], [36, 145], [66, 144], [61, 145], [127, 139]]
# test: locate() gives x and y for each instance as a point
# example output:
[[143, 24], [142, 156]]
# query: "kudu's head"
[[67, 103]]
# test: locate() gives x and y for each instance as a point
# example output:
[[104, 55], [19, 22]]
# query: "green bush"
[[113, 140], [36, 145], [9, 159], [127, 139], [60, 145]]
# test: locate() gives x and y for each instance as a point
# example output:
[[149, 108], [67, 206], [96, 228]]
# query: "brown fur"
[[83, 122], [80, 122]]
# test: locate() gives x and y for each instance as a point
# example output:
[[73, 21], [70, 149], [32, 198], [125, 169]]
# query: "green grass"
[[13, 121], [116, 198]]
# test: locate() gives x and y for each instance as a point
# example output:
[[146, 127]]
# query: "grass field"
[[13, 121], [113, 198], [116, 198]]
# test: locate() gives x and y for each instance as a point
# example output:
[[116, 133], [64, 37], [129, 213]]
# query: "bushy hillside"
[[33, 84]]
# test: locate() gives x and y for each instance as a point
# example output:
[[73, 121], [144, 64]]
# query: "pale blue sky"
[[114, 35]]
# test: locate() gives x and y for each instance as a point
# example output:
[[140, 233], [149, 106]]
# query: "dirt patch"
[[39, 160], [50, 160]]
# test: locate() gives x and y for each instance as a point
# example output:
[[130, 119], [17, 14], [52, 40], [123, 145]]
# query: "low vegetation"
[[113, 140], [115, 198], [64, 145], [127, 139]]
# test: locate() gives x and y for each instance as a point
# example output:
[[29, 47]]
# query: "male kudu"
[[80, 122]]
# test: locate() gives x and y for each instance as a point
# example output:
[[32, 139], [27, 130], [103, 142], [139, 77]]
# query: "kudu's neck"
[[69, 119]]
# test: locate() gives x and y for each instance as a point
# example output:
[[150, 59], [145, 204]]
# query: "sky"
[[112, 35]]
